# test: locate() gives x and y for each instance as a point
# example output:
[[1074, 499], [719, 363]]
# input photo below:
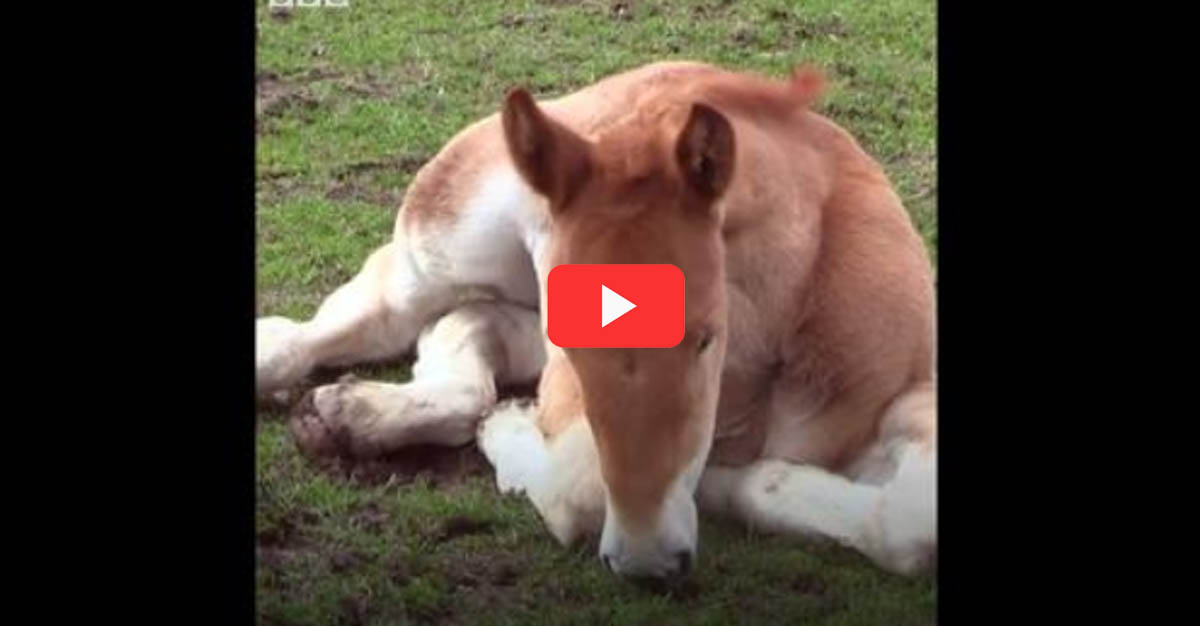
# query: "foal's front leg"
[[561, 476]]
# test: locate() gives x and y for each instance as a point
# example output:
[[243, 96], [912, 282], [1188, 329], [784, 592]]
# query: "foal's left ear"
[[705, 151]]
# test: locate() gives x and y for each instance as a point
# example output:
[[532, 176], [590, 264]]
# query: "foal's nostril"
[[607, 562], [685, 561]]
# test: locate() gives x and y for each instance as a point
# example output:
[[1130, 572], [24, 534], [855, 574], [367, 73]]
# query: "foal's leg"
[[377, 315], [561, 477], [893, 523], [460, 360]]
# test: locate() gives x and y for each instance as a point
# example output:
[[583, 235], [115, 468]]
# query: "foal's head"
[[646, 191]]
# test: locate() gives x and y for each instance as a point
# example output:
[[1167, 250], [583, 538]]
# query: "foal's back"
[[830, 289], [830, 286]]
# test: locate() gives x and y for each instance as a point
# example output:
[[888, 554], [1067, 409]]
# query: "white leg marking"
[[561, 478], [376, 315], [907, 530], [894, 525], [777, 496], [279, 358], [514, 446]]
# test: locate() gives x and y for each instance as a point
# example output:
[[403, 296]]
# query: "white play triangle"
[[612, 306]]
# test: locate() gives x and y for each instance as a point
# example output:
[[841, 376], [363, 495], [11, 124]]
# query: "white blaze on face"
[[668, 546]]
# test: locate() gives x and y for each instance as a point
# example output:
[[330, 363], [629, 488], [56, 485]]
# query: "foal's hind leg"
[[889, 515], [377, 315], [461, 358]]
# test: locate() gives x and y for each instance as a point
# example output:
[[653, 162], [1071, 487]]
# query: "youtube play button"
[[615, 306], [612, 306]]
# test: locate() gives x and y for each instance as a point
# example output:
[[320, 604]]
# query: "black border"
[[186, 343], [1010, 203]]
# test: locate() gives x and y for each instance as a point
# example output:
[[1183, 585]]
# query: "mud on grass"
[[421, 554]]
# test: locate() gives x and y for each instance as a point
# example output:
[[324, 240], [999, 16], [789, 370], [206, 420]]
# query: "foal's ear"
[[705, 151], [551, 158]]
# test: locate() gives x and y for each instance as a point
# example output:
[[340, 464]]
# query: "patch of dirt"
[[274, 557], [343, 560], [744, 35], [459, 526], [367, 85], [712, 10], [682, 590], [832, 27], [485, 582], [838, 112], [437, 613], [779, 15], [513, 21], [356, 610], [285, 535], [439, 465], [561, 590], [370, 517], [274, 174], [354, 181], [685, 592], [279, 94], [399, 572], [343, 191], [808, 584], [266, 79], [481, 570], [798, 28], [269, 620], [276, 96], [409, 163], [831, 604], [275, 536], [849, 71], [318, 73]]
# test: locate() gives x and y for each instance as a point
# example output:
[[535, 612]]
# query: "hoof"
[[314, 434], [336, 421]]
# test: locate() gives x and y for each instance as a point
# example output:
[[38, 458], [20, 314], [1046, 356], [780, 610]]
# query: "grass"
[[351, 103]]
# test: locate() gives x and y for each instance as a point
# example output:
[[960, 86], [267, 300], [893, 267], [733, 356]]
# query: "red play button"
[[615, 306]]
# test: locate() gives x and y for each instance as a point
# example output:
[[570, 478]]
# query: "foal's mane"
[[758, 95]]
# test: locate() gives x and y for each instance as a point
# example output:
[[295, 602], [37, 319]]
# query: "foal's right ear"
[[551, 158]]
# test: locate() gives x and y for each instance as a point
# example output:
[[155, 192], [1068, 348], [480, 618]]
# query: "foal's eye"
[[705, 342]]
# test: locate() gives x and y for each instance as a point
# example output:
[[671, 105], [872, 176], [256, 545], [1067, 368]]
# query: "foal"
[[801, 398]]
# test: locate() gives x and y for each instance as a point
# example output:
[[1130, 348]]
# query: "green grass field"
[[351, 102]]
